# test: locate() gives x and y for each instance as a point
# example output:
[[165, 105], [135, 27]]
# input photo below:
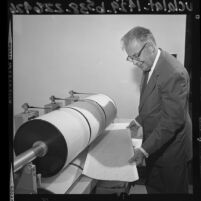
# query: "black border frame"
[[194, 14]]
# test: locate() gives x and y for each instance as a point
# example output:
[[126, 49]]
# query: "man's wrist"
[[137, 124], [144, 152]]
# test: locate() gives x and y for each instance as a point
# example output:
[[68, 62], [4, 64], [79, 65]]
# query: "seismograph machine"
[[50, 149]]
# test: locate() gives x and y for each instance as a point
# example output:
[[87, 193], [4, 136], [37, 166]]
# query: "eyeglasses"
[[136, 57]]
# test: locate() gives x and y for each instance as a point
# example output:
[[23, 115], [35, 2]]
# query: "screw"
[[197, 17]]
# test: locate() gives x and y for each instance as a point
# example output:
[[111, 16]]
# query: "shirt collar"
[[154, 64], [155, 61]]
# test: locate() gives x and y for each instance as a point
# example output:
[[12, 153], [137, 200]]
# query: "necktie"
[[144, 82]]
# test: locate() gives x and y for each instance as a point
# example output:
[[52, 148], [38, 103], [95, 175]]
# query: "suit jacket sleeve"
[[139, 119], [174, 94]]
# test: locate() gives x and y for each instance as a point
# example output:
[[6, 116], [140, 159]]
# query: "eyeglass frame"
[[136, 56]]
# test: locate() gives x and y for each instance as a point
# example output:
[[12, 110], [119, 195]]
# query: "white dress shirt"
[[154, 64]]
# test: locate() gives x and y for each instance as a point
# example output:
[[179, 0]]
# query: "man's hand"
[[133, 125], [137, 158], [136, 130]]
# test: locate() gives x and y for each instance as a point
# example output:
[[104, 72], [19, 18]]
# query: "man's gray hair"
[[140, 34]]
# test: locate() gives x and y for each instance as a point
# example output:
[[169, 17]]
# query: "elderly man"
[[163, 116]]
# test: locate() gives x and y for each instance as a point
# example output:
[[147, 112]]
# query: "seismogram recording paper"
[[108, 157]]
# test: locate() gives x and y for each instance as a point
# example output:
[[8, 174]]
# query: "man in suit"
[[163, 118]]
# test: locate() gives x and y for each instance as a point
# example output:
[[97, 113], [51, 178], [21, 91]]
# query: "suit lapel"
[[151, 83], [149, 88]]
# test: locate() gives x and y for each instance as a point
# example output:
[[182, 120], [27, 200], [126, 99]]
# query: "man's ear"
[[151, 47]]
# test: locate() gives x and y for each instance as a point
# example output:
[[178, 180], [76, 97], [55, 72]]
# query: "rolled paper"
[[66, 131]]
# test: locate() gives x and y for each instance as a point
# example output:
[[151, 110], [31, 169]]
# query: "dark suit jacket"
[[163, 113]]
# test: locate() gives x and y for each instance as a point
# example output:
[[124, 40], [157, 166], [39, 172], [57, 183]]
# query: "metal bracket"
[[26, 182]]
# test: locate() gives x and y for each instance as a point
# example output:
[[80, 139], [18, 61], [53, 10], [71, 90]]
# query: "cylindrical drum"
[[66, 131], [107, 105]]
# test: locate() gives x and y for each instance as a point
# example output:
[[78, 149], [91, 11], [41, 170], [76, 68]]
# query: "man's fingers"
[[135, 160], [131, 124], [132, 160], [139, 163], [131, 127]]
